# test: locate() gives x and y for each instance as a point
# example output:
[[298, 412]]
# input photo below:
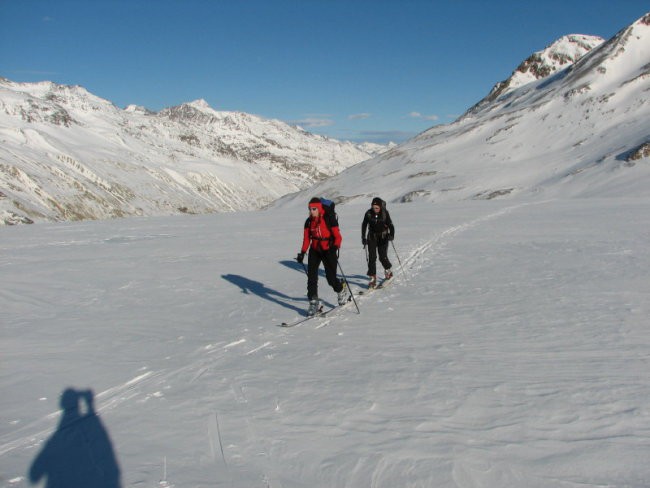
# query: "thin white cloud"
[[311, 122], [381, 136], [418, 115], [361, 116]]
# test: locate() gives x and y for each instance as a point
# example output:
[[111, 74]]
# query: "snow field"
[[511, 351]]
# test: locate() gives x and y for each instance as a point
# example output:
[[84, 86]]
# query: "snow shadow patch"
[[259, 289], [295, 265], [80, 452]]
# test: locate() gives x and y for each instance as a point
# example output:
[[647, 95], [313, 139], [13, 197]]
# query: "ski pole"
[[349, 289], [398, 259]]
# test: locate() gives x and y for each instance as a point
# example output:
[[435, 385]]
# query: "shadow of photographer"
[[79, 453]]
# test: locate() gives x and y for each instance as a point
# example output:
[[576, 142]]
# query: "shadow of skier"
[[80, 452], [358, 280], [296, 266], [256, 288]]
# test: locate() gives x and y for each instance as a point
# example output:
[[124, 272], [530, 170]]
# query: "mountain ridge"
[[70, 155], [579, 132], [577, 128], [563, 52]]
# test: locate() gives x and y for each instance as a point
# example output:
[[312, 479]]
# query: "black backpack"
[[329, 207], [331, 218]]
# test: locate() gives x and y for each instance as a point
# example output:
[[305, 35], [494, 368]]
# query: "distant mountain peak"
[[188, 112], [560, 54], [200, 104], [138, 109]]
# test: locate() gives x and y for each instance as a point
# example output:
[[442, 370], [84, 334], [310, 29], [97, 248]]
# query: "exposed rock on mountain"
[[559, 55], [67, 154]]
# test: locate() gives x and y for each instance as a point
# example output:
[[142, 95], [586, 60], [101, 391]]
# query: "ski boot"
[[343, 294], [388, 274], [314, 307], [373, 282]]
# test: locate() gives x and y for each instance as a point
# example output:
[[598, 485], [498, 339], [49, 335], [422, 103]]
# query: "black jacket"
[[379, 226]]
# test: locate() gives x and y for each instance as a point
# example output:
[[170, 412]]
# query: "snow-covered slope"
[[559, 55], [582, 131], [66, 154], [512, 352]]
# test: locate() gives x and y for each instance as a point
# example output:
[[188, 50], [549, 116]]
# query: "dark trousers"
[[377, 246], [330, 261]]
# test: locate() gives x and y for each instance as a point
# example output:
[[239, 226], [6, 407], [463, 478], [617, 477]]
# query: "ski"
[[367, 290], [383, 284], [321, 313], [303, 319]]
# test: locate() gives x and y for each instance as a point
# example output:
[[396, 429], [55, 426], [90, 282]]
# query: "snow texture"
[[511, 350]]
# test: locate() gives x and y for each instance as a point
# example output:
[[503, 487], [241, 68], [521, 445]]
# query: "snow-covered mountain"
[[559, 55], [578, 131], [67, 154]]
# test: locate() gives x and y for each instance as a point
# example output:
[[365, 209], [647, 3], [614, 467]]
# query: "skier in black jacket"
[[381, 231]]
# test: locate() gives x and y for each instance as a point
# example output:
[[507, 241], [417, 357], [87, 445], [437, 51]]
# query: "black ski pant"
[[330, 261], [377, 246]]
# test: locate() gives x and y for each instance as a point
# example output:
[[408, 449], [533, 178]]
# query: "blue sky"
[[350, 69]]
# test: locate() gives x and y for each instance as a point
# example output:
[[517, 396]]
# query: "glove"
[[364, 241], [300, 257], [391, 237]]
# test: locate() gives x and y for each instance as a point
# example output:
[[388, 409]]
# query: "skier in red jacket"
[[322, 237]]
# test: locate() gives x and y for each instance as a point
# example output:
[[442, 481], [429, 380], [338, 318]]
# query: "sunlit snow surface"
[[512, 350]]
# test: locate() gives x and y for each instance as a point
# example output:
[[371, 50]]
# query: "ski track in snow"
[[110, 399], [440, 240], [419, 258], [230, 421], [139, 388], [151, 383]]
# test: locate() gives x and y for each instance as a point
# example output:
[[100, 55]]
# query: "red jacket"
[[317, 232]]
